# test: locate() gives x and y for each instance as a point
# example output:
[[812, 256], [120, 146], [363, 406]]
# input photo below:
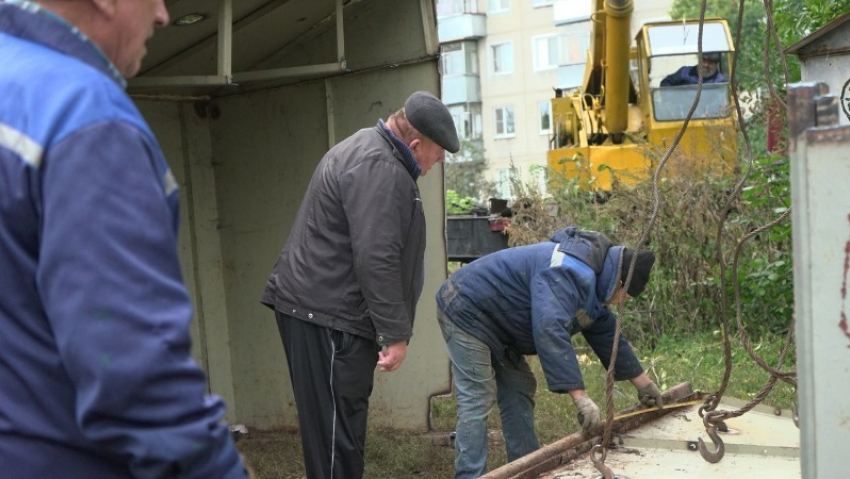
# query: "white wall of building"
[[521, 90]]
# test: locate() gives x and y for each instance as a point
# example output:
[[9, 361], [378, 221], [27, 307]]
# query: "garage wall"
[[266, 146], [184, 136], [400, 398], [243, 162], [261, 184]]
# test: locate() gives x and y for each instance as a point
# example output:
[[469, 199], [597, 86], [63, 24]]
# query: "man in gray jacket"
[[346, 283]]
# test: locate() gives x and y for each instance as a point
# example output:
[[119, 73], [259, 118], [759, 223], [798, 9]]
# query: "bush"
[[455, 205], [686, 291]]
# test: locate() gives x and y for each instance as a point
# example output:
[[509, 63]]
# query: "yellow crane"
[[622, 116]]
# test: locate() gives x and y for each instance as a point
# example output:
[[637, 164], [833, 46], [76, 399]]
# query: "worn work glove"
[[588, 415], [650, 395]]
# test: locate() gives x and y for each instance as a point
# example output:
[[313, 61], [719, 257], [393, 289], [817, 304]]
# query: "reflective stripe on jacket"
[[95, 365]]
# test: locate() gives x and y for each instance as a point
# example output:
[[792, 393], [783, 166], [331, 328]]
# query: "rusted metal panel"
[[802, 112], [820, 173]]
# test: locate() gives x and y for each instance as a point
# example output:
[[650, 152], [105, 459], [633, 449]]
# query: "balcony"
[[565, 12], [461, 89], [570, 77], [466, 26]]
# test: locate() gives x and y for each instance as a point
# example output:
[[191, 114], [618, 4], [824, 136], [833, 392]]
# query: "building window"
[[503, 182], [505, 122], [547, 53], [574, 47], [499, 6], [566, 12], [459, 58], [502, 58], [544, 109], [552, 51], [467, 120], [452, 63], [447, 8], [538, 178]]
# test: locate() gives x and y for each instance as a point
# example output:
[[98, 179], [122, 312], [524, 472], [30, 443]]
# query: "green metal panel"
[[244, 161], [266, 145], [400, 398], [185, 139], [820, 170]]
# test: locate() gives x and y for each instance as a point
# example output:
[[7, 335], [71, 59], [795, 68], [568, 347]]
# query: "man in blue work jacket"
[[689, 75], [531, 300], [97, 380]]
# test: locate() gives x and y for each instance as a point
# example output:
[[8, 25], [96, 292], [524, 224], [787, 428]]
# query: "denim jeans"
[[479, 385]]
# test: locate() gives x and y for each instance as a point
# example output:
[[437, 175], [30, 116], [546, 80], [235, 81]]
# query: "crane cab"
[[669, 51], [635, 93]]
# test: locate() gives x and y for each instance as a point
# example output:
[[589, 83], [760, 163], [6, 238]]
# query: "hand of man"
[[650, 395], [391, 357], [588, 415]]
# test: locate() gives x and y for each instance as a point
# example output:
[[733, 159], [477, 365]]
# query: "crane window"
[[673, 103], [678, 39]]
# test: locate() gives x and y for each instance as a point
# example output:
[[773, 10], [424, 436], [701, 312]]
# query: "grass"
[[696, 358]]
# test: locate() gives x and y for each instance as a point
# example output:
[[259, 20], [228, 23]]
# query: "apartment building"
[[501, 62]]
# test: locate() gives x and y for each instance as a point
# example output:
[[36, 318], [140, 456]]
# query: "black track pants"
[[332, 374]]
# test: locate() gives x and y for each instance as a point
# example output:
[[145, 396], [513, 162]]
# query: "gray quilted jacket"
[[354, 258]]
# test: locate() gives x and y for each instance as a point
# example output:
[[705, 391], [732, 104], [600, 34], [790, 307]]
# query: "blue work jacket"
[[532, 299], [96, 374], [690, 76]]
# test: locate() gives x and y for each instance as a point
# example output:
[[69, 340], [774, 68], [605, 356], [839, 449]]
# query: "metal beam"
[[240, 24], [340, 36], [187, 80], [429, 27], [225, 38], [329, 107], [236, 78], [731, 448], [288, 72]]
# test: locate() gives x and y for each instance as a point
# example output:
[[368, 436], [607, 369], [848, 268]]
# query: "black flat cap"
[[640, 276], [431, 117], [711, 56]]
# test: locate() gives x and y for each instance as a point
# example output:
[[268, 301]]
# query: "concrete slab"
[[761, 443]]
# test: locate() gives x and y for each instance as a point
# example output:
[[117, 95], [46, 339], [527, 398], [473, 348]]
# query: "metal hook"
[[707, 406], [598, 462], [717, 455]]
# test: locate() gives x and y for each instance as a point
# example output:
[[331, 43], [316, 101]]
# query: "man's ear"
[[415, 143], [106, 7]]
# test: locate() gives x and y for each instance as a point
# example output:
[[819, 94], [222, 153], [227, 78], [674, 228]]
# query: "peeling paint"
[[843, 322]]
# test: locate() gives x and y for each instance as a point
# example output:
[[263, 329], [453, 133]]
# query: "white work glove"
[[650, 395], [588, 415]]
